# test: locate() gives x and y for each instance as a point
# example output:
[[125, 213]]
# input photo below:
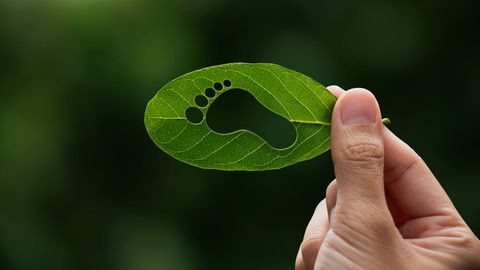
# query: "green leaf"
[[292, 95]]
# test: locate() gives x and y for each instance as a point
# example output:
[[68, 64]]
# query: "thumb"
[[357, 152]]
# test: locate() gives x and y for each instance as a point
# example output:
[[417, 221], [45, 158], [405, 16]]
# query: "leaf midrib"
[[310, 122]]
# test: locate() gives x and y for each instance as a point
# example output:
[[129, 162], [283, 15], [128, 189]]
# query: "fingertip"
[[336, 90], [331, 197], [356, 106], [360, 107]]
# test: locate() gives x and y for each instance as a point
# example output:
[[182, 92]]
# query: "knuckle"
[[466, 247], [363, 152], [332, 187], [331, 195], [310, 247], [299, 264], [381, 226], [372, 224]]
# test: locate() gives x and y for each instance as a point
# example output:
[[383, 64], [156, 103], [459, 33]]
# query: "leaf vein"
[[168, 105], [195, 144], [166, 118], [276, 77], [227, 143], [278, 101], [293, 150], [308, 87], [174, 137], [178, 94], [314, 149], [242, 158]]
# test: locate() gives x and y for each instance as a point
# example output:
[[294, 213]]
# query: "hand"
[[385, 210]]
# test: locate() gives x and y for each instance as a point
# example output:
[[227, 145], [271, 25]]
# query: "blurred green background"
[[83, 187]]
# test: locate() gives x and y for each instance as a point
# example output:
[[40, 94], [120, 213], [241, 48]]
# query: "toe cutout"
[[218, 86], [201, 101], [194, 115], [209, 92], [227, 83]]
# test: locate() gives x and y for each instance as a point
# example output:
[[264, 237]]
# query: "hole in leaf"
[[238, 109], [218, 86], [227, 83], [194, 115], [201, 101], [209, 92]]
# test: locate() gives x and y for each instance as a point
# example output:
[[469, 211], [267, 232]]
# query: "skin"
[[385, 209]]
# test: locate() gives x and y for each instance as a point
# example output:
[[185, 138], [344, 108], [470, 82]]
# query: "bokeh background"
[[83, 187]]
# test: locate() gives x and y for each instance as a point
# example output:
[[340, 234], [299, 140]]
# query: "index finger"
[[409, 181]]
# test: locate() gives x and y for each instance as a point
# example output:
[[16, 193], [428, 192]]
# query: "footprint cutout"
[[229, 109], [241, 116]]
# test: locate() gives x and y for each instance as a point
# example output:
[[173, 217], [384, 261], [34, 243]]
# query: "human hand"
[[385, 210]]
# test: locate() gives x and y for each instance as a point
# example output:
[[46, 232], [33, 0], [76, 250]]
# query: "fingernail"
[[358, 107]]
